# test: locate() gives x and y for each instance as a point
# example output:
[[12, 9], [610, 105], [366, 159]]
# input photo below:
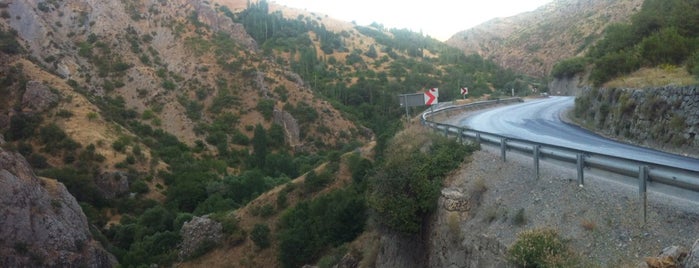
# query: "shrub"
[[22, 126], [519, 218], [266, 108], [312, 227], [568, 68], [405, 189], [315, 182], [260, 236], [540, 248]]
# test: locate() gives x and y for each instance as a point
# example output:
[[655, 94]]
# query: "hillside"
[[155, 113], [532, 42]]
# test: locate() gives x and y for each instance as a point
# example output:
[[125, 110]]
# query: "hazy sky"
[[437, 18]]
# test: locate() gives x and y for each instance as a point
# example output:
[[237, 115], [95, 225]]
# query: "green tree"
[[259, 147], [406, 187], [260, 236]]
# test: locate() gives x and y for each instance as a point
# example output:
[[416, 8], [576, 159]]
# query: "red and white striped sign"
[[431, 96]]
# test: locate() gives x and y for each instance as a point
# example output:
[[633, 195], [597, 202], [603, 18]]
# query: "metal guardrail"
[[645, 172]]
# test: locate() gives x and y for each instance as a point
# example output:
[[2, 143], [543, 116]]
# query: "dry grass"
[[588, 225], [453, 223], [654, 77]]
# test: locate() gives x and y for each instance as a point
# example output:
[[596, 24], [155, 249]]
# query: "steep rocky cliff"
[[41, 224], [533, 42]]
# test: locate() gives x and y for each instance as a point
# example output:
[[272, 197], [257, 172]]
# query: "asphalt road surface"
[[539, 120]]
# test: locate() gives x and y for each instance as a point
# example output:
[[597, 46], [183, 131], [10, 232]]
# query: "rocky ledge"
[[41, 224]]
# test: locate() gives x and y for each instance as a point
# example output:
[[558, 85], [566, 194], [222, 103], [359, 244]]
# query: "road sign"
[[412, 100], [464, 91], [431, 96]]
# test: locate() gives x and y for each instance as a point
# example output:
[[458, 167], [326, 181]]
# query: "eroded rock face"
[[291, 126], [38, 97], [113, 184], [199, 232], [41, 224]]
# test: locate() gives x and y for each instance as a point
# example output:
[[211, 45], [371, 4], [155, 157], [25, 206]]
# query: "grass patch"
[[541, 248], [654, 77]]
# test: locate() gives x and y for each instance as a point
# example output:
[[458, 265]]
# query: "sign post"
[[464, 91], [429, 97]]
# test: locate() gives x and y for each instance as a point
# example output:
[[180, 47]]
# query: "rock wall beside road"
[[665, 118]]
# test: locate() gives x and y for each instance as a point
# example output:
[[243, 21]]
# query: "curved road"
[[539, 120]]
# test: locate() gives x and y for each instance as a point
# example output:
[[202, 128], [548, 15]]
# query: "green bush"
[[8, 42], [568, 68], [312, 227], [260, 236], [315, 182], [540, 248], [406, 187], [22, 126], [266, 108]]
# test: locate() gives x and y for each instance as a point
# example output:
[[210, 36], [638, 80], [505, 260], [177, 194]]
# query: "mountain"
[[532, 42], [155, 114]]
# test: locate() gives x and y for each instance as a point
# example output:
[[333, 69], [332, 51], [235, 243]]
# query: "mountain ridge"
[[532, 42]]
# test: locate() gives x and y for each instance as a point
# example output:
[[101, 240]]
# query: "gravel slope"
[[602, 220]]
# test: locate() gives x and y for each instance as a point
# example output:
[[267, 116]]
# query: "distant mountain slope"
[[533, 42]]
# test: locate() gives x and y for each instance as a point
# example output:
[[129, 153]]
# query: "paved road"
[[539, 120]]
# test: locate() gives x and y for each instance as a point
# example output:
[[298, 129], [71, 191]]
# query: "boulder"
[[692, 260], [112, 184], [197, 233], [38, 97], [42, 225], [455, 200], [671, 256]]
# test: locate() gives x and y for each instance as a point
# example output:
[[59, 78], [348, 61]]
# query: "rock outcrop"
[[197, 233], [571, 86], [692, 260], [674, 256], [112, 184], [291, 126], [38, 97], [41, 224], [665, 118]]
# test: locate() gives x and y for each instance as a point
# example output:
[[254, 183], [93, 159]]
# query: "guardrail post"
[[535, 150], [478, 138], [642, 179], [581, 166], [503, 149], [461, 135], [446, 131]]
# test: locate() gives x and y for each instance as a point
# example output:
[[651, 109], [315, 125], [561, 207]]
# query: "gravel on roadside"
[[602, 220]]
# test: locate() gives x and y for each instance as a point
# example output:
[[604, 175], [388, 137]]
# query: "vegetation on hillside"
[[663, 32], [228, 164], [404, 191], [367, 83]]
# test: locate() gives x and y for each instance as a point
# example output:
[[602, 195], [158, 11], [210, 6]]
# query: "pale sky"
[[437, 18]]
